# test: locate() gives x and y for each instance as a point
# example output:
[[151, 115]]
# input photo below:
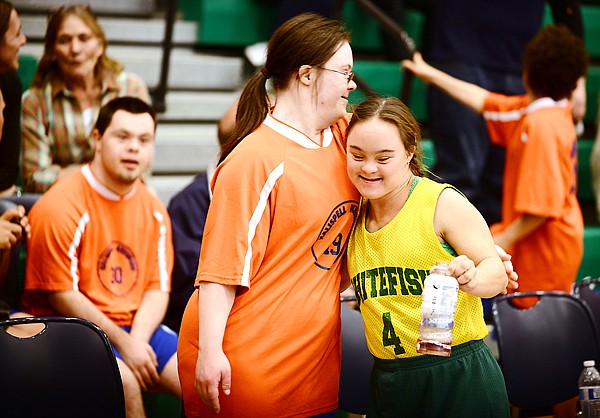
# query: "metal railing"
[[159, 92], [394, 30]]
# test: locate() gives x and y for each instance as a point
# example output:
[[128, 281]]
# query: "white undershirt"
[[88, 120]]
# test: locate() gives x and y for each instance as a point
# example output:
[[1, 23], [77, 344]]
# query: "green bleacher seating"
[[591, 27], [27, 66], [585, 192], [429, 156], [592, 88], [366, 35], [590, 266], [161, 405], [235, 23], [230, 23], [386, 79]]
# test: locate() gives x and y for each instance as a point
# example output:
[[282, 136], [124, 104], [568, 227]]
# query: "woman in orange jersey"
[[260, 336]]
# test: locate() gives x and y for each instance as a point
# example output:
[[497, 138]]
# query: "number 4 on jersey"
[[389, 335]]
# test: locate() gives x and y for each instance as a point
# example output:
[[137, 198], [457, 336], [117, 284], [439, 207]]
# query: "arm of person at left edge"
[[14, 226], [478, 268]]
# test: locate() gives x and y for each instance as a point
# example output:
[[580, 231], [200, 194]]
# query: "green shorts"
[[468, 384]]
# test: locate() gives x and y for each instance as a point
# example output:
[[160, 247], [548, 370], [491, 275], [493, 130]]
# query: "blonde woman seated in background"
[[74, 78]]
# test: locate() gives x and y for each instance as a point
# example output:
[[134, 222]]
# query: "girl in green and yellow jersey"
[[406, 224]]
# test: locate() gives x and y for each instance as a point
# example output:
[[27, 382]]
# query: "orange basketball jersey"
[[88, 239], [277, 227]]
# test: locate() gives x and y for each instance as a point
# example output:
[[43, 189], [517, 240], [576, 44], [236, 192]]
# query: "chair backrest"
[[542, 349], [357, 363], [588, 290], [67, 369]]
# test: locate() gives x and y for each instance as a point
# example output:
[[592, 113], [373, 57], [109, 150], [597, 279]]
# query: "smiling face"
[[124, 151], [378, 162], [333, 87], [11, 43], [76, 49]]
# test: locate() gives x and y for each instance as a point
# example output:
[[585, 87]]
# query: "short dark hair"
[[126, 103], [553, 62]]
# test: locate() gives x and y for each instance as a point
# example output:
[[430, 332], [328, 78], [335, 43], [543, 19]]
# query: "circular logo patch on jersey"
[[117, 268], [334, 235]]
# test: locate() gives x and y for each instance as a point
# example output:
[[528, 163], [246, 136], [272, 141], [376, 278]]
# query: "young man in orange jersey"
[[101, 249]]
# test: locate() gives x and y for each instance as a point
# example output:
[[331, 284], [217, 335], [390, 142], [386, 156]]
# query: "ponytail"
[[252, 110]]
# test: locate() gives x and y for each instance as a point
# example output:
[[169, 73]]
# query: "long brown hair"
[[47, 68], [306, 39], [394, 111], [6, 9]]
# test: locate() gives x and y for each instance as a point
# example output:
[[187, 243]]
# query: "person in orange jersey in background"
[[542, 224]]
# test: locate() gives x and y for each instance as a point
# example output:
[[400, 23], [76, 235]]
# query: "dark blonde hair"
[[47, 68], [6, 9], [306, 39], [394, 111]]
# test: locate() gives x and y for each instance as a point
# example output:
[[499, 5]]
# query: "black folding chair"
[[64, 368], [542, 349], [588, 290], [357, 362]]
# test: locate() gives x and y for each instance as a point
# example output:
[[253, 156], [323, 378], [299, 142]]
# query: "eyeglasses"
[[348, 74]]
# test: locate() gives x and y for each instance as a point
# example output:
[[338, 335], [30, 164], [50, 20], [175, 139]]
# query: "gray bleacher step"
[[167, 186], [122, 29], [188, 69], [130, 7], [198, 106], [183, 149]]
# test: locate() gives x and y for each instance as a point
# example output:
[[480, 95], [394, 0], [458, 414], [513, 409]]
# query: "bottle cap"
[[439, 268], [589, 363]]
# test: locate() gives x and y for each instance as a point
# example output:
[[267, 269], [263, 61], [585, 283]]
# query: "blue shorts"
[[163, 342]]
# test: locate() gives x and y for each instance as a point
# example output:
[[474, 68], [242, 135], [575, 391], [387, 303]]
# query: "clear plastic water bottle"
[[589, 390], [440, 294]]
